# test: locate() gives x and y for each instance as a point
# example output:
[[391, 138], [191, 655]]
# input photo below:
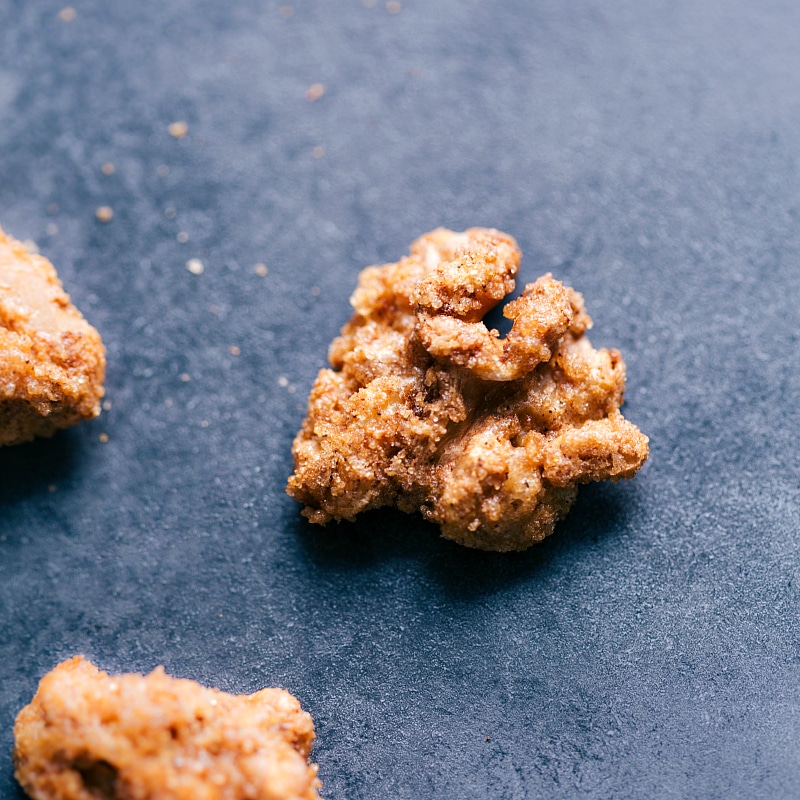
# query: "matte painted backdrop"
[[645, 152]]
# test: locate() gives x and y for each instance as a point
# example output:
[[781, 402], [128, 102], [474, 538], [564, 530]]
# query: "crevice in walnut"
[[99, 777]]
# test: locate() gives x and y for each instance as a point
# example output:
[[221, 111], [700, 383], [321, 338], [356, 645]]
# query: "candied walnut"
[[52, 361], [88, 735], [428, 410]]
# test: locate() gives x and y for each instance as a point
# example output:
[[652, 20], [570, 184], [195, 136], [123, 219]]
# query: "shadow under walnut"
[[427, 410], [52, 361]]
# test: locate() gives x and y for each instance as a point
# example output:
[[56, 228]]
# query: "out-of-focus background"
[[644, 152]]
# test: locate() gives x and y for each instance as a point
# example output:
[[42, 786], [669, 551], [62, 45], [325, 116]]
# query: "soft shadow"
[[9, 788], [17, 792], [30, 468], [377, 537]]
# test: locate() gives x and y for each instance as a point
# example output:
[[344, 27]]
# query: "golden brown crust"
[[428, 410], [52, 362], [87, 735]]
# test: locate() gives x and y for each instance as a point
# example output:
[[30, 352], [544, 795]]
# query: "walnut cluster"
[[89, 735], [53, 361], [428, 410]]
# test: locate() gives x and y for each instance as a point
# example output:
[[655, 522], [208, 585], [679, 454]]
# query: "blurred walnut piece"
[[52, 362], [88, 735], [428, 410]]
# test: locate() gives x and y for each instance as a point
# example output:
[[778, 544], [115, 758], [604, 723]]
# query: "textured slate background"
[[646, 152]]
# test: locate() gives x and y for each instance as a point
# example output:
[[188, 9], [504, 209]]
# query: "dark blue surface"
[[644, 152]]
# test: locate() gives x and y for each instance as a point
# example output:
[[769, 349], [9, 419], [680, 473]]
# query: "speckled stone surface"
[[644, 152]]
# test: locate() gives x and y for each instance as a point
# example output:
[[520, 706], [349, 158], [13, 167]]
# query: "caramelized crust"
[[52, 362], [87, 735], [428, 410]]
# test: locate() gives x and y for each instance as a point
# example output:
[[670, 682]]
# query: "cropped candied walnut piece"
[[88, 735], [428, 410], [52, 361]]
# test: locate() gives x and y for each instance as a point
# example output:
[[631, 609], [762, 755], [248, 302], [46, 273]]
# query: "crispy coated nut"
[[52, 362], [88, 735], [428, 410]]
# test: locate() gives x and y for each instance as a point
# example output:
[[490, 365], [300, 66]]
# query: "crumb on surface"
[[427, 410], [261, 270], [178, 129], [315, 92], [104, 213], [67, 14], [88, 735], [108, 168], [195, 266]]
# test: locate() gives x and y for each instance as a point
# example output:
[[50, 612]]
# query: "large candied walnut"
[[52, 361], [428, 410], [87, 735]]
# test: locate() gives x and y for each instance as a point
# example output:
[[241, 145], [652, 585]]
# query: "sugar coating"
[[52, 361], [89, 735], [428, 410]]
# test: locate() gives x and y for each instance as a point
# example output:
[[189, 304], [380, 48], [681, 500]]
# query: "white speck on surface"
[[195, 266]]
